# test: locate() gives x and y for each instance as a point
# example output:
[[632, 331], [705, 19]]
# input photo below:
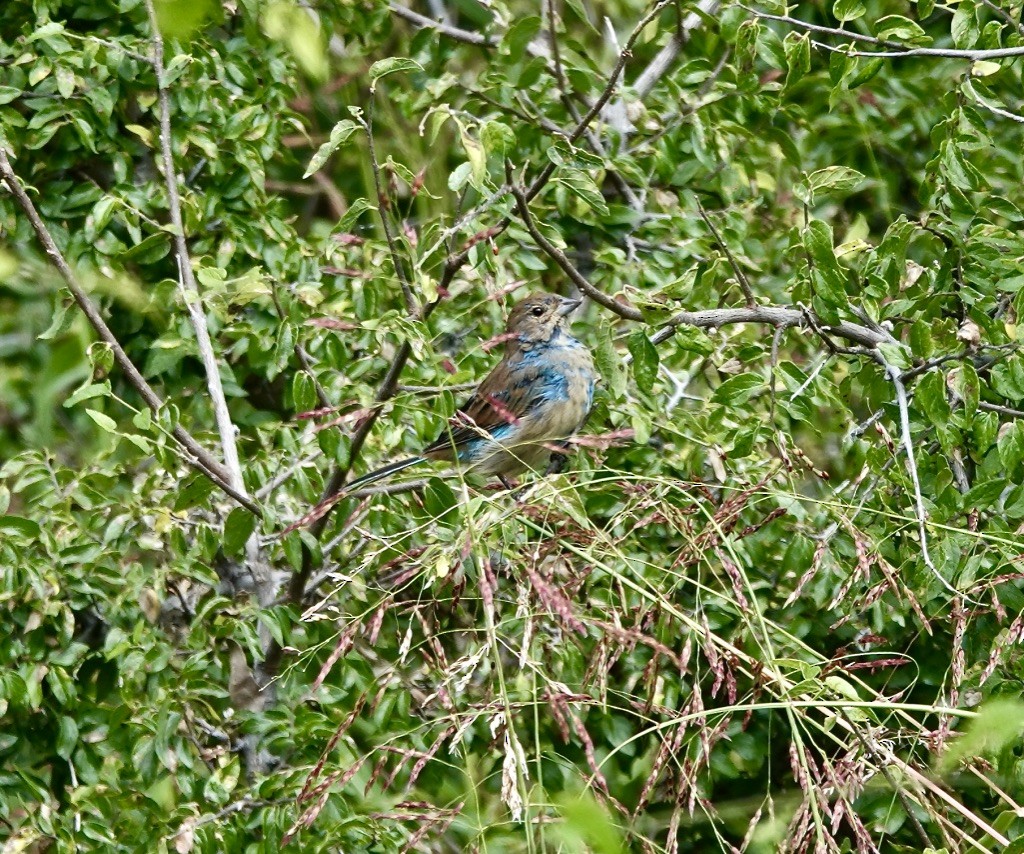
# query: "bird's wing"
[[495, 409]]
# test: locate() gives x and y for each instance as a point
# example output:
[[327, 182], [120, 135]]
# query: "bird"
[[535, 398]]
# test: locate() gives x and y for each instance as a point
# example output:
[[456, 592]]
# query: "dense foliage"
[[774, 602]]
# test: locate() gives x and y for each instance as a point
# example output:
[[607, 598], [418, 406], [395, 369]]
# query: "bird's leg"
[[558, 459], [507, 482]]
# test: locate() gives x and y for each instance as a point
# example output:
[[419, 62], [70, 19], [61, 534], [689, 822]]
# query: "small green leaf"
[[303, 392], [339, 135], [866, 69], [497, 138], [827, 276], [739, 389], [798, 56], [391, 65], [62, 319], [964, 26], [837, 179], [67, 737], [237, 528], [143, 419], [898, 28], [609, 362], [998, 724], [87, 392], [355, 210], [105, 422], [1011, 445], [645, 360], [299, 31], [848, 10], [20, 525], [931, 395]]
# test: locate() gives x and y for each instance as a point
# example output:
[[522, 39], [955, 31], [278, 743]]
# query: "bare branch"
[[1002, 410], [999, 111], [186, 279], [896, 378], [383, 205], [457, 33], [895, 48], [197, 457], [560, 258], [662, 62], [777, 316], [627, 51], [741, 277]]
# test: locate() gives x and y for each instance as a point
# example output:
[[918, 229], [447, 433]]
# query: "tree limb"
[[444, 29], [197, 457], [186, 278]]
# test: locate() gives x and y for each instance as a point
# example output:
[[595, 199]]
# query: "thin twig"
[[197, 457], [662, 62], [383, 205], [444, 29], [1002, 410], [567, 266], [999, 111], [896, 378], [897, 50], [262, 575], [186, 279], [741, 277]]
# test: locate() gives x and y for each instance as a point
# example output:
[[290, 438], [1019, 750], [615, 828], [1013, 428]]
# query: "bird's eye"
[[537, 310]]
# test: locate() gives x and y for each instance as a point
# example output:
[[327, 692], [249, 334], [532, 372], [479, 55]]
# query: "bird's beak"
[[568, 306]]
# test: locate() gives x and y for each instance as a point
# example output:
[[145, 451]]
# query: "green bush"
[[764, 607]]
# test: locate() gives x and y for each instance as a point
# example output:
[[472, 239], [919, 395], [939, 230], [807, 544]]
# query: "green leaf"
[[477, 159], [833, 179], [87, 392], [865, 70], [392, 65], [178, 19], [998, 725], [143, 419], [193, 493], [292, 25], [964, 26], [898, 28], [645, 360], [609, 363], [303, 392], [827, 276], [67, 737], [1011, 445], [931, 396], [583, 187], [105, 422], [63, 317], [497, 138], [355, 210], [737, 390], [798, 56], [237, 529], [20, 525], [848, 10], [520, 34], [339, 135]]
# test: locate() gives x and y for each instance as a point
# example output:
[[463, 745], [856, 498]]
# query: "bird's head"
[[539, 317]]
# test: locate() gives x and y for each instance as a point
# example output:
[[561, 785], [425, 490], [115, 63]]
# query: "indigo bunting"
[[540, 393]]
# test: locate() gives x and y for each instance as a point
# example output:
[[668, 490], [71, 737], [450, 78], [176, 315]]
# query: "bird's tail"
[[384, 472]]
